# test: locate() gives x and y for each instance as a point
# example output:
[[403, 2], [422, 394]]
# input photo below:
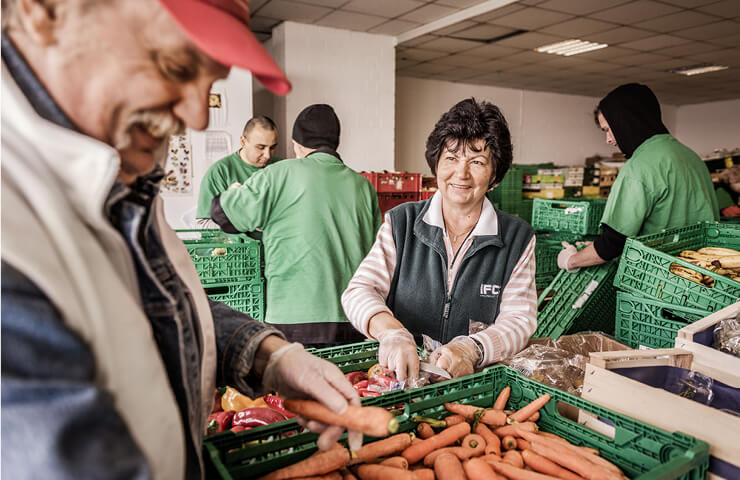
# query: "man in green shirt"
[[664, 184], [319, 219], [258, 140]]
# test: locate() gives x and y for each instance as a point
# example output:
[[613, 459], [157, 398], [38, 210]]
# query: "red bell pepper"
[[368, 393], [355, 377], [276, 403], [256, 417], [361, 384], [218, 422]]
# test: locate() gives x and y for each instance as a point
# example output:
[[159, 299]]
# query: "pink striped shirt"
[[368, 290]]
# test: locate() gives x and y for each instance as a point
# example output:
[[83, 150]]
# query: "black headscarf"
[[633, 114], [317, 126]]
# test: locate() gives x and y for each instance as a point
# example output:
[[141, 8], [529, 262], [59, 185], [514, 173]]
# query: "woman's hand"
[[459, 357], [397, 352]]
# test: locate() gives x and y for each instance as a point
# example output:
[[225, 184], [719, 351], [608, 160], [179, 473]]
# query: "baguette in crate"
[[609, 382]]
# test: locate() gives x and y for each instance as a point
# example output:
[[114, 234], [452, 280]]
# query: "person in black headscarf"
[[664, 184]]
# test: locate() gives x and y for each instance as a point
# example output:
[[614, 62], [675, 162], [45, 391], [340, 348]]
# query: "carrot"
[[493, 418], [522, 444], [382, 472], [502, 398], [329, 476], [424, 473], [453, 420], [508, 442], [347, 475], [477, 469], [448, 467], [382, 448], [493, 443], [424, 430], [569, 447], [396, 462], [319, 463], [446, 437], [514, 429], [514, 473], [575, 462], [472, 446], [528, 410], [543, 465], [373, 421], [490, 457], [467, 411], [512, 457]]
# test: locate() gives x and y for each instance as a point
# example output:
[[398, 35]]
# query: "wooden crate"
[[660, 408], [694, 337]]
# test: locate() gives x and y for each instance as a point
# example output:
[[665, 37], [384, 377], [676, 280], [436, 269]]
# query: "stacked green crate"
[[547, 247], [581, 216], [229, 268], [507, 196], [640, 450]]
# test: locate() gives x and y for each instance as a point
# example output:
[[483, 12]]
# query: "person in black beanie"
[[664, 184], [319, 219]]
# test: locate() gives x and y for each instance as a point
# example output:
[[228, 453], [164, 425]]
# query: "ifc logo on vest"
[[489, 291]]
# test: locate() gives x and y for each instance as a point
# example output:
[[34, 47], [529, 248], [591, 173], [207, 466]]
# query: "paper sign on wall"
[[178, 179]]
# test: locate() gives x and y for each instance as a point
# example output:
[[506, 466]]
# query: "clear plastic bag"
[[727, 336]]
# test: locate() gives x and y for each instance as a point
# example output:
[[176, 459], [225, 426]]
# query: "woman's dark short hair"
[[470, 120]]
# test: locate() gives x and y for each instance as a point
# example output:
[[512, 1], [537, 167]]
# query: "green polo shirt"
[[219, 177], [319, 219], [664, 185]]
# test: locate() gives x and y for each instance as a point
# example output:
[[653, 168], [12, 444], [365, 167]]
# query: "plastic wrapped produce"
[[727, 336]]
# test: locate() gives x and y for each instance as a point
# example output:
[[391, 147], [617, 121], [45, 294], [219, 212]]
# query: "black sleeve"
[[219, 216], [610, 243]]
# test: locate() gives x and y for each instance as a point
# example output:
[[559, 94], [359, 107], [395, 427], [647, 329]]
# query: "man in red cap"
[[110, 348]]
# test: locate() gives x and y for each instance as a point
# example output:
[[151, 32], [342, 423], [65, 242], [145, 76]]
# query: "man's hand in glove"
[[397, 352], [458, 358], [564, 257], [295, 373]]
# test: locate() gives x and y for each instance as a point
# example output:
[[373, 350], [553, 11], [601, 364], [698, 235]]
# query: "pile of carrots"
[[474, 443]]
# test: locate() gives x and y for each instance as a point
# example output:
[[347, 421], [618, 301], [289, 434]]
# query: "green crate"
[[577, 302], [350, 358], [729, 220], [642, 322], [245, 297], [547, 247], [644, 268], [643, 452], [223, 258], [573, 216]]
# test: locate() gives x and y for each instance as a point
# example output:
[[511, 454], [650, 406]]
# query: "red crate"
[[372, 178], [427, 194], [428, 183], [399, 182], [386, 201]]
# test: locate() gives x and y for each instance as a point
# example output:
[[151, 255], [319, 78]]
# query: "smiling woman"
[[451, 267]]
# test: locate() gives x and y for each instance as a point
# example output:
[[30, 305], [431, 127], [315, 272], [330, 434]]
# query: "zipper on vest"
[[446, 312]]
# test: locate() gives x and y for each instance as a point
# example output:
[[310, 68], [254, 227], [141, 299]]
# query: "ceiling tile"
[[640, 59], [528, 56], [455, 28], [460, 60], [324, 3], [531, 18], [458, 3], [255, 5], [429, 68], [415, 42], [262, 24], [350, 20], [727, 57], [711, 30], [668, 64], [394, 27], [726, 8], [689, 48], [618, 35], [495, 65], [297, 12], [730, 41], [418, 54], [450, 45], [529, 40], [580, 7], [578, 27], [492, 50], [427, 13], [640, 9], [483, 31], [564, 62], [403, 63], [650, 44], [383, 8], [499, 12], [605, 54], [595, 67], [677, 21]]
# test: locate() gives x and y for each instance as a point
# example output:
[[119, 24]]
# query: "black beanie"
[[317, 126]]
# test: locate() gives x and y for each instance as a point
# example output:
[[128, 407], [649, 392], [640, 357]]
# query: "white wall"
[[705, 127], [545, 127], [354, 72], [238, 90]]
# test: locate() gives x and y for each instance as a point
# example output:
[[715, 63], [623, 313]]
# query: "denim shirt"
[[56, 422]]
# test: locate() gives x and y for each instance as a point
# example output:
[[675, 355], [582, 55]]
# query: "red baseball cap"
[[221, 29]]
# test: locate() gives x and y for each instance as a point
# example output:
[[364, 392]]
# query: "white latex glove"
[[458, 357], [295, 373], [564, 257], [397, 352]]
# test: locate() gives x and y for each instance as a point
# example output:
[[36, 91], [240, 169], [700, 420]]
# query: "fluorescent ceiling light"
[[697, 69], [570, 47]]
